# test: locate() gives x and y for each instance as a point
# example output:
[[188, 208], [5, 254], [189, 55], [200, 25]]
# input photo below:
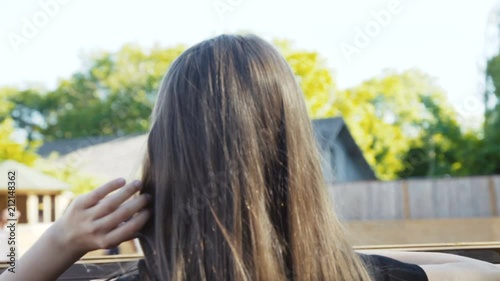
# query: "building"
[[103, 158], [39, 197], [342, 159], [108, 157]]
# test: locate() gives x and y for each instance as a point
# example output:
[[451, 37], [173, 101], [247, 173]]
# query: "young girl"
[[233, 179]]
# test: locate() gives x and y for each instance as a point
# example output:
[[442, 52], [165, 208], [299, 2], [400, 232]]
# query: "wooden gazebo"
[[39, 197]]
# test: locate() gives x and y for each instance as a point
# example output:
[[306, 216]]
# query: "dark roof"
[[106, 158], [328, 128], [332, 129], [31, 179], [66, 146], [100, 154]]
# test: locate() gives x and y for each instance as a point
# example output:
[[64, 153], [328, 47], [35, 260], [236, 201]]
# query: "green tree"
[[28, 109], [442, 147], [389, 114], [490, 151], [112, 95], [12, 149], [23, 152], [314, 77], [393, 117]]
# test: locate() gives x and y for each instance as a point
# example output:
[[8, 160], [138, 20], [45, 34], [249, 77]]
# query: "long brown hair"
[[235, 174]]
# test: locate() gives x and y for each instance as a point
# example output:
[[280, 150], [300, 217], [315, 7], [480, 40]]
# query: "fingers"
[[97, 219], [111, 203], [92, 198], [123, 213], [128, 230]]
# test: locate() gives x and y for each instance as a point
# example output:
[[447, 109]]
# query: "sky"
[[44, 40]]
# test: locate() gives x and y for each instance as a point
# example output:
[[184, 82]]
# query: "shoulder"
[[387, 269], [381, 268]]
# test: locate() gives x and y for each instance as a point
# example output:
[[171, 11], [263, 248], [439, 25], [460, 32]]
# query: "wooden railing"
[[98, 268]]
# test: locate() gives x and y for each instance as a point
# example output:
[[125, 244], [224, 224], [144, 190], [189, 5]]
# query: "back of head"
[[233, 168]]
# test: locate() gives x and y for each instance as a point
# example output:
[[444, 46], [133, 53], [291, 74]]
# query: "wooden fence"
[[465, 197]]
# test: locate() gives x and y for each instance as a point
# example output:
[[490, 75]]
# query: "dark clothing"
[[381, 269], [387, 269]]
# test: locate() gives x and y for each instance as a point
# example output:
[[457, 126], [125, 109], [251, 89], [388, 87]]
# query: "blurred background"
[[405, 98]]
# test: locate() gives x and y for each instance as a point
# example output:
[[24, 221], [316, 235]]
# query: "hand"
[[98, 221]]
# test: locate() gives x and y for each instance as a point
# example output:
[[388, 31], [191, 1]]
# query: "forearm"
[[462, 271], [46, 260], [92, 221]]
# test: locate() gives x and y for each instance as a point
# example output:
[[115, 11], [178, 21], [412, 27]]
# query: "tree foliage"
[[12, 149], [393, 118], [490, 150], [401, 120], [22, 152], [112, 95]]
